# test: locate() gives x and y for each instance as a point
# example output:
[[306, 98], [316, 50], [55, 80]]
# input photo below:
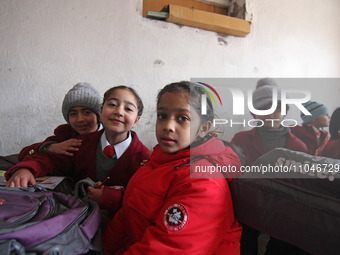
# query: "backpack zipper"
[[32, 213]]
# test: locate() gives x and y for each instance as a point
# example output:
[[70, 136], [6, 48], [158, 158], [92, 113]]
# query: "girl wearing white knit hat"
[[81, 110]]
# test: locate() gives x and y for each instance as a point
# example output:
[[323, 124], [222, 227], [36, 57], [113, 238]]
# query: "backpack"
[[297, 201], [36, 221]]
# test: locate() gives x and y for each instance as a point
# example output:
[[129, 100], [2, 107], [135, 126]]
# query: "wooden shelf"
[[208, 20], [159, 5]]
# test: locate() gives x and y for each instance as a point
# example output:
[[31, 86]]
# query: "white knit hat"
[[82, 94]]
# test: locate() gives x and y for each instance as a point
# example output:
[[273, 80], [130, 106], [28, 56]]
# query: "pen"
[[105, 180]]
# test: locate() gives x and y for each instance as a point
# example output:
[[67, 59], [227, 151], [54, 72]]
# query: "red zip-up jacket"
[[252, 146], [83, 164], [166, 210], [307, 135], [332, 149]]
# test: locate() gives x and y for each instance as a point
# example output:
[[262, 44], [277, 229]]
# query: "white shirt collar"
[[120, 148]]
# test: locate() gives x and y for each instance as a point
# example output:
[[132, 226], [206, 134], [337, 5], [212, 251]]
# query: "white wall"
[[47, 46]]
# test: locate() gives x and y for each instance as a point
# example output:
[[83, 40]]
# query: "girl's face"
[[83, 120], [273, 120], [321, 122], [119, 115], [175, 121]]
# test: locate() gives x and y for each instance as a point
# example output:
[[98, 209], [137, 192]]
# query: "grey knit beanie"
[[82, 94], [263, 94]]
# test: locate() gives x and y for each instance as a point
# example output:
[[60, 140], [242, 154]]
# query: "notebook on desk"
[[66, 186]]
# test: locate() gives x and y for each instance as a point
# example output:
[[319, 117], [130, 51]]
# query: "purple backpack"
[[46, 222]]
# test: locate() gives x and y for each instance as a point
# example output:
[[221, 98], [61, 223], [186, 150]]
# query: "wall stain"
[[158, 62], [222, 41]]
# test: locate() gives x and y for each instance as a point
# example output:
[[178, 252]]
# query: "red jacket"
[[252, 146], [332, 149], [167, 211], [307, 135], [61, 133], [83, 164]]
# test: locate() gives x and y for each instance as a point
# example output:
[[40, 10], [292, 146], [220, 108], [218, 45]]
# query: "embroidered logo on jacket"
[[175, 217]]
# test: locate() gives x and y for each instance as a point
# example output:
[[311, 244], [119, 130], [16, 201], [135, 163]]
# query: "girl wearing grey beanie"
[[268, 135], [111, 155], [84, 95], [81, 110]]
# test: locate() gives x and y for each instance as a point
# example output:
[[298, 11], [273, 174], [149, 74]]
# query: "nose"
[[119, 110], [169, 125], [275, 115], [80, 117]]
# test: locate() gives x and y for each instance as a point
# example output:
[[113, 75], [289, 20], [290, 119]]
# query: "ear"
[[204, 129], [136, 121]]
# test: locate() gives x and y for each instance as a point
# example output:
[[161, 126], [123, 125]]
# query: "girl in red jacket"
[[172, 205], [312, 131], [332, 149], [120, 112], [81, 110]]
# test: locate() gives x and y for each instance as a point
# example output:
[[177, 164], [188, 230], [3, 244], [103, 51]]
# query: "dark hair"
[[140, 105], [334, 124], [195, 92]]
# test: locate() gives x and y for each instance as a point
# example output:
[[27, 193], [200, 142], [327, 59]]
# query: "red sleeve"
[[32, 149], [42, 164], [61, 133], [206, 211], [113, 238], [111, 199]]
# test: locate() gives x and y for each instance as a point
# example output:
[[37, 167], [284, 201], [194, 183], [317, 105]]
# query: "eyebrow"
[[125, 101], [82, 109], [176, 109]]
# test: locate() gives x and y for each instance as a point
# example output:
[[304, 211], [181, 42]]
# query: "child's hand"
[[21, 178], [95, 194], [65, 147], [144, 162]]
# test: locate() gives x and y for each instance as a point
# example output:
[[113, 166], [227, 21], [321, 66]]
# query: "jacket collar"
[[183, 157]]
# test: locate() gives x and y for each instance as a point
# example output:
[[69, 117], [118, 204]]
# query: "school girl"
[[81, 110], [255, 143], [168, 208], [332, 149], [121, 111], [312, 131]]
